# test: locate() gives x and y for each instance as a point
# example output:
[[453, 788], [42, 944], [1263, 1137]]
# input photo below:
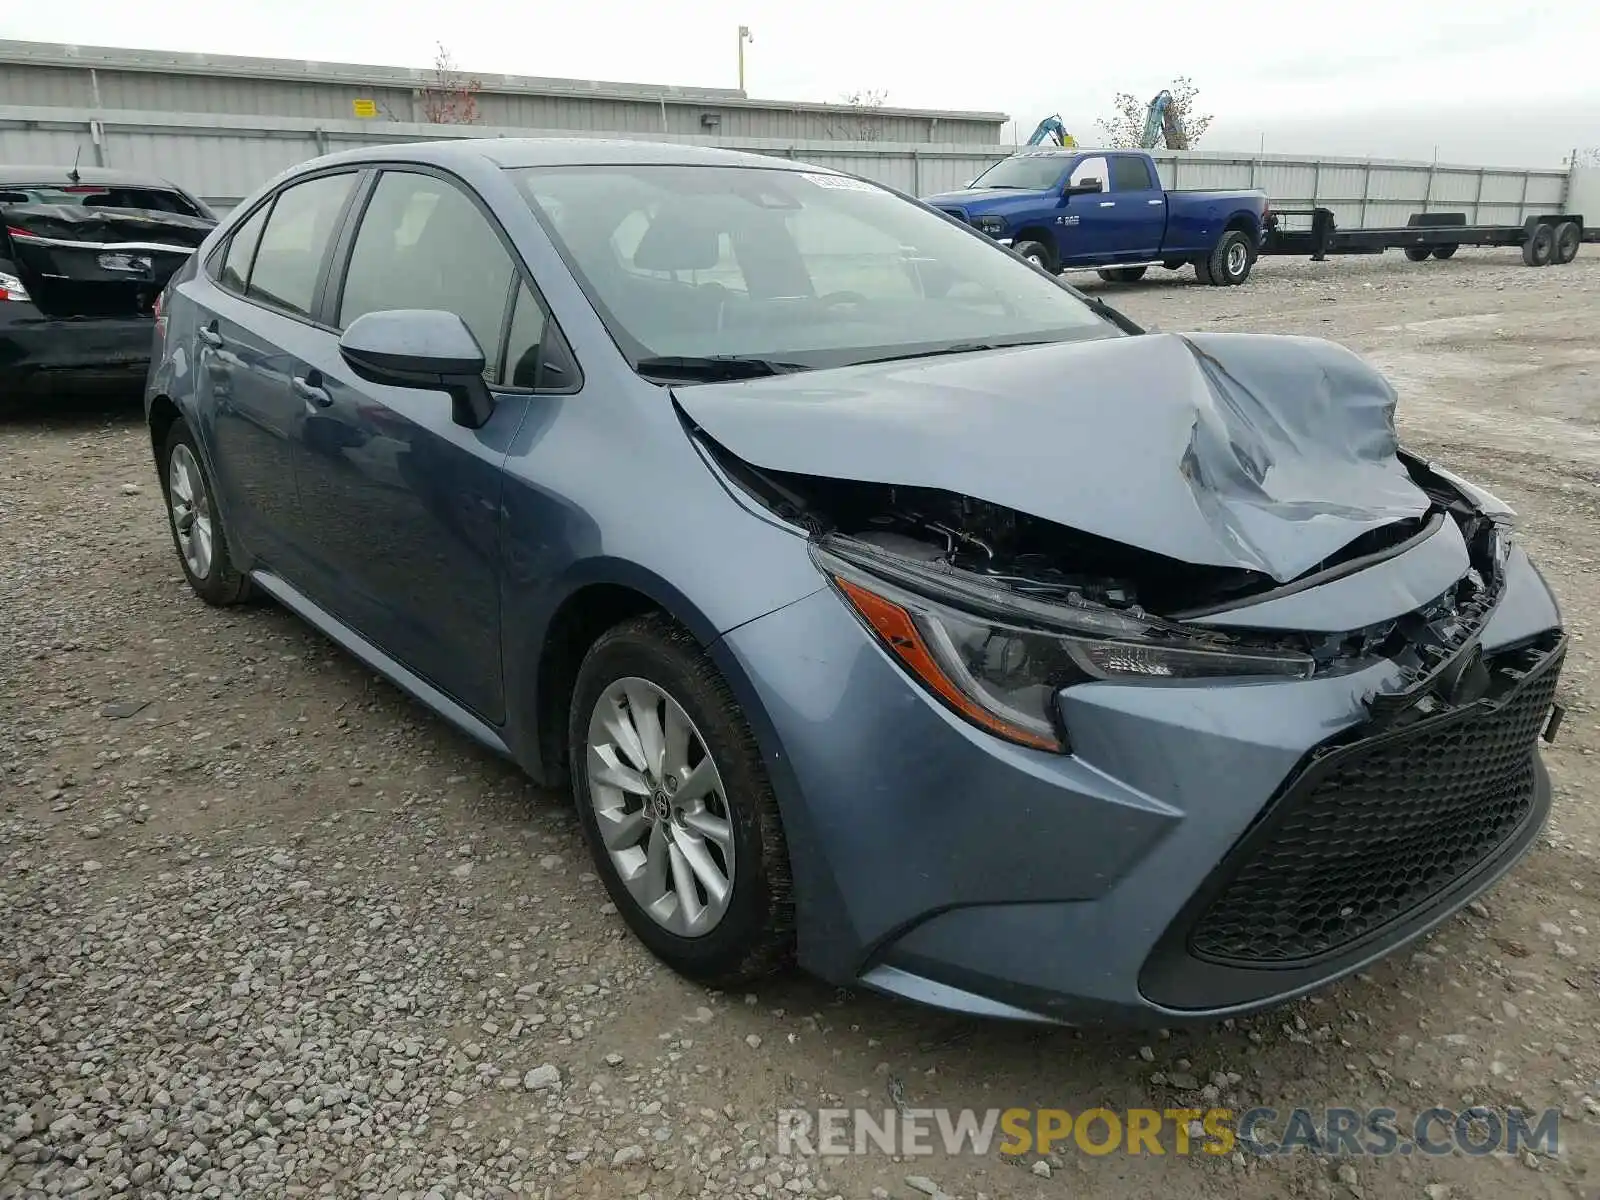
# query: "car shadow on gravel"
[[81, 405]]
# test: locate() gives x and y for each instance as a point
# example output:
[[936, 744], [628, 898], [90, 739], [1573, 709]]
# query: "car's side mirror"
[[1083, 187], [421, 348]]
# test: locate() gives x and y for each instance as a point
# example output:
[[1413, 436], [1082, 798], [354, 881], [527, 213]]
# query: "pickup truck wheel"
[[1174, 264], [1539, 247], [1038, 254], [1419, 253], [1230, 260], [1122, 274], [1567, 237], [1443, 252]]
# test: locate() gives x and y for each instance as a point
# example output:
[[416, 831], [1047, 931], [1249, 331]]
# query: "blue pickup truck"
[[1107, 209]]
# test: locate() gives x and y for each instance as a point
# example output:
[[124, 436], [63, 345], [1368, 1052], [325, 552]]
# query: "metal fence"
[[223, 158]]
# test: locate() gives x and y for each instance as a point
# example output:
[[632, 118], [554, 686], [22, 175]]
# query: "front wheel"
[[676, 806], [196, 525], [1540, 246], [1230, 261], [1038, 254], [1419, 253], [1122, 274]]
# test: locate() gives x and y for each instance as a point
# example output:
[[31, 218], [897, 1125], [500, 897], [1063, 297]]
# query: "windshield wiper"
[[713, 367], [956, 348]]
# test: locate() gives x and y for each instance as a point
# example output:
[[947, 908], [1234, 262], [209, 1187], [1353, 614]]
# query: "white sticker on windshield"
[[842, 183]]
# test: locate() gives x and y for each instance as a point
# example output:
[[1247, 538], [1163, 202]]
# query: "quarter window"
[[424, 244], [526, 341], [295, 243], [241, 249]]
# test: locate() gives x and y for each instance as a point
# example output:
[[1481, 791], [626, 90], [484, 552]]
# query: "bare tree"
[[1125, 130], [1587, 157], [861, 125], [452, 97]]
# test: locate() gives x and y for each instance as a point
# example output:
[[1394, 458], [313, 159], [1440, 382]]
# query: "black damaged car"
[[84, 255]]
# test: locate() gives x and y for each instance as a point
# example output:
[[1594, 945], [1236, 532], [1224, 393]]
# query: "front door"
[[402, 504]]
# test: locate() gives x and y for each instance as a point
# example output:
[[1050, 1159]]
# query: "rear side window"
[[235, 273], [295, 242], [424, 244], [1130, 174]]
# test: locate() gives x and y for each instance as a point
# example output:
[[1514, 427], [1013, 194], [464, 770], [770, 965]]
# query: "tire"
[[1540, 246], [659, 662], [1202, 271], [1230, 261], [1174, 264], [1568, 235], [1444, 252], [1419, 253], [1037, 253], [195, 522], [1122, 274]]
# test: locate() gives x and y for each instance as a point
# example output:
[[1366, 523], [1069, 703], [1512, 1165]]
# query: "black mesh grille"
[[1376, 830]]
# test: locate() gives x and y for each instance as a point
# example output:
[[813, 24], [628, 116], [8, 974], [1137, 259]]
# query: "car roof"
[[566, 152], [1061, 151], [59, 176]]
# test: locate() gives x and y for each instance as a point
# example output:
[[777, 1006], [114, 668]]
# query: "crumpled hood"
[[1233, 450]]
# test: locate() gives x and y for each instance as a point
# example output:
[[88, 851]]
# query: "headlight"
[[998, 658], [11, 287], [993, 226]]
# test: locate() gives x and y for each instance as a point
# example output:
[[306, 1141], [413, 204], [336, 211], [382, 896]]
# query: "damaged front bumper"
[[1207, 848]]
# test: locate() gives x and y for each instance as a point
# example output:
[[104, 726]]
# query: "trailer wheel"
[[1038, 254], [1122, 274], [1230, 260], [1541, 244], [1418, 253], [1567, 237], [1443, 252]]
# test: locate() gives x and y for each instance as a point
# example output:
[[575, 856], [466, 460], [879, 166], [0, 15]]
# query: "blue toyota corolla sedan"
[[886, 604]]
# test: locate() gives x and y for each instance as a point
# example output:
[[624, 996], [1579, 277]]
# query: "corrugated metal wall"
[[223, 158], [49, 75]]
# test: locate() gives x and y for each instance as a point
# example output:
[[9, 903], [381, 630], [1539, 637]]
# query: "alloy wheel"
[[660, 807], [191, 511]]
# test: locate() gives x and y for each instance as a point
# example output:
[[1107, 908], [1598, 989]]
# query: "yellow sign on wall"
[[365, 108]]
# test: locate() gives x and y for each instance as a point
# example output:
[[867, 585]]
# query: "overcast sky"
[[1393, 78]]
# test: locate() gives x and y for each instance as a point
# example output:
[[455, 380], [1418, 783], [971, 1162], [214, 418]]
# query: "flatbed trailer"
[[1551, 238]]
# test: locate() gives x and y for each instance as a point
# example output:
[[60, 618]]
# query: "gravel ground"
[[270, 929]]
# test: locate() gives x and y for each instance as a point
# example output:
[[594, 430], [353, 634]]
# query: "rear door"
[[402, 503], [254, 315], [1138, 209]]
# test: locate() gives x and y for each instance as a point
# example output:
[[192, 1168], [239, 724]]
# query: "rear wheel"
[[1540, 246], [1443, 252], [1038, 254], [1230, 261], [1122, 274], [676, 806], [196, 525], [1567, 238], [1419, 253]]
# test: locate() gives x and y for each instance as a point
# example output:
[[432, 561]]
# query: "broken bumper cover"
[[32, 343], [938, 863]]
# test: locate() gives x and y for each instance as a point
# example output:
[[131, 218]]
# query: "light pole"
[[744, 36]]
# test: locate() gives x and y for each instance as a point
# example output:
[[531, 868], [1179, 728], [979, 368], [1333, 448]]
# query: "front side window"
[[1087, 170], [295, 243], [1023, 172], [424, 244], [805, 268]]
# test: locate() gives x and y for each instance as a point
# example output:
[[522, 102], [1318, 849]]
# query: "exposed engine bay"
[[1028, 557]]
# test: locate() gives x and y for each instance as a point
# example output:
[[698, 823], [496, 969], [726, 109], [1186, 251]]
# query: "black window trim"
[[332, 292], [270, 202]]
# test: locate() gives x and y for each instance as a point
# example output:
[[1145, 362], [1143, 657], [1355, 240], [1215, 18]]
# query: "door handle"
[[310, 392], [209, 334], [1108, 204], [1153, 202]]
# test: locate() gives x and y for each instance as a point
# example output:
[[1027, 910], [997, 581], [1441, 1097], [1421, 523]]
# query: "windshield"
[[806, 270], [92, 196], [1029, 172]]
